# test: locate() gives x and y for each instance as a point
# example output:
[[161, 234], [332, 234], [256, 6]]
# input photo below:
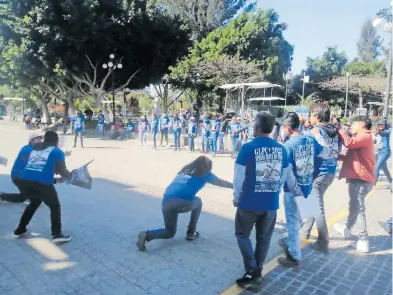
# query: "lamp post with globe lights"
[[112, 65], [378, 23]]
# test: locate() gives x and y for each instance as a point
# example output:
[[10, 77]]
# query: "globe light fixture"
[[105, 66], [110, 64], [112, 56], [119, 66]]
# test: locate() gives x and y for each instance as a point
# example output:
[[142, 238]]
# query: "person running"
[[192, 133], [100, 123], [233, 129], [358, 169], [17, 168], [164, 127], [79, 126], [324, 171], [177, 124], [143, 129], [384, 152], [260, 171], [180, 197], [302, 151], [154, 128], [44, 162]]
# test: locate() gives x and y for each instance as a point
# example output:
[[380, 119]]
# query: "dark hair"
[[199, 167], [322, 111], [292, 120], [51, 138], [366, 120], [264, 122]]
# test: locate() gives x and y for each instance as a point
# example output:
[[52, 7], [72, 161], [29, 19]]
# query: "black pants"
[[39, 193], [15, 198], [164, 133]]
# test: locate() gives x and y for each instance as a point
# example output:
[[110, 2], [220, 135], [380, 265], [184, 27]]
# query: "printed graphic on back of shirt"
[[304, 159], [78, 123], [268, 165], [331, 159], [38, 159], [182, 178]]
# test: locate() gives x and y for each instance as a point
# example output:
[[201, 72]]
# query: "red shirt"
[[359, 162]]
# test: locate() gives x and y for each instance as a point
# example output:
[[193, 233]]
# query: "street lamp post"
[[346, 96], [306, 79], [388, 28], [112, 65]]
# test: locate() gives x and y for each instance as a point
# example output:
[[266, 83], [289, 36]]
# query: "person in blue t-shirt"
[[215, 133], [180, 197], [177, 125], [261, 168], [164, 127], [383, 152], [324, 170], [233, 129], [302, 151], [155, 124], [192, 133], [206, 133], [43, 163], [100, 123], [79, 126]]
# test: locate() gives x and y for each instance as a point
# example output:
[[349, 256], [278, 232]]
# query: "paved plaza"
[[129, 180]]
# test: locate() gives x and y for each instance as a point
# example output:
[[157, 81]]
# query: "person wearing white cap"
[[18, 166], [192, 132]]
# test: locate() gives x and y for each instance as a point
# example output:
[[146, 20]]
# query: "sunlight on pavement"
[[53, 266], [46, 248]]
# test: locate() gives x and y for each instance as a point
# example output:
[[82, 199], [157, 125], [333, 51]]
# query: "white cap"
[[34, 135]]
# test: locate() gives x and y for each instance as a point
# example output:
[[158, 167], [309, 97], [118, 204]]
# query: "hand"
[[67, 153], [315, 131], [234, 203], [60, 180]]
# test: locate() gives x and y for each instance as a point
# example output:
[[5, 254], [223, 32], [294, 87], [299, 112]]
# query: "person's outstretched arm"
[[222, 183]]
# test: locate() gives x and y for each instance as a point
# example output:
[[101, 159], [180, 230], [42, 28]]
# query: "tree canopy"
[[369, 44]]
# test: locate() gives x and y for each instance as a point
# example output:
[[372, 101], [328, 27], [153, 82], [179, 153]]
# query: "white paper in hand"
[[308, 207], [81, 177], [61, 141], [3, 161]]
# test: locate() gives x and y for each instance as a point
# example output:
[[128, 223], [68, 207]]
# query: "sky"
[[314, 25]]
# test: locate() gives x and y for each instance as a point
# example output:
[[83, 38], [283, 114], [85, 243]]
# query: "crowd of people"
[[296, 156]]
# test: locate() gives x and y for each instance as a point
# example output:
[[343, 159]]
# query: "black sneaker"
[[288, 261], [250, 279], [320, 247], [20, 232], [61, 238], [192, 235], [283, 245], [142, 240]]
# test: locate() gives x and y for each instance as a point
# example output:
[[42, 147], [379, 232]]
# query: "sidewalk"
[[342, 271]]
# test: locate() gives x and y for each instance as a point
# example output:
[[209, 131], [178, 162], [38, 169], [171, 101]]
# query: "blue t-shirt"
[[216, 128], [265, 160], [302, 151], [192, 128], [130, 126], [154, 125], [186, 187], [101, 119], [206, 127], [21, 160], [41, 165], [164, 123], [177, 123], [78, 124], [250, 132], [385, 140], [234, 127]]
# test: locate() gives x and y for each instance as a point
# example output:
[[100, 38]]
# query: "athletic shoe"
[[320, 247], [283, 245], [250, 279], [61, 238], [142, 240], [27, 202], [192, 235], [363, 246], [342, 230], [288, 261], [20, 232]]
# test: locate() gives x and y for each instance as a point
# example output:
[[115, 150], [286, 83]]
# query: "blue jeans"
[[101, 129], [293, 220], [382, 159], [205, 143], [176, 136], [234, 141], [155, 138], [213, 143], [264, 222], [171, 210], [191, 143], [143, 136], [221, 141]]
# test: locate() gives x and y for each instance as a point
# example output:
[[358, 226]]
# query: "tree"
[[360, 68], [203, 17], [369, 44]]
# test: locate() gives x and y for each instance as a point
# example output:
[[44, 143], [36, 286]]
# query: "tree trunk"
[[198, 106], [71, 106], [360, 99], [65, 117], [45, 110]]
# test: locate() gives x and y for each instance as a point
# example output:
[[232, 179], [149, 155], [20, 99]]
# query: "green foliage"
[[145, 103], [369, 44], [361, 68]]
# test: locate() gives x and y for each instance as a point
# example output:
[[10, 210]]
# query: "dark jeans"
[[382, 159], [171, 210], [164, 133], [191, 144], [76, 134], [264, 222], [319, 187], [15, 198], [39, 193]]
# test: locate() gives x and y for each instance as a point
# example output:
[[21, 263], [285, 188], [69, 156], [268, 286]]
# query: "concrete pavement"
[[126, 198]]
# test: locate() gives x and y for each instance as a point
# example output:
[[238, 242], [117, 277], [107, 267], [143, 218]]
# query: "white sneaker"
[[342, 230], [363, 246], [27, 202]]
